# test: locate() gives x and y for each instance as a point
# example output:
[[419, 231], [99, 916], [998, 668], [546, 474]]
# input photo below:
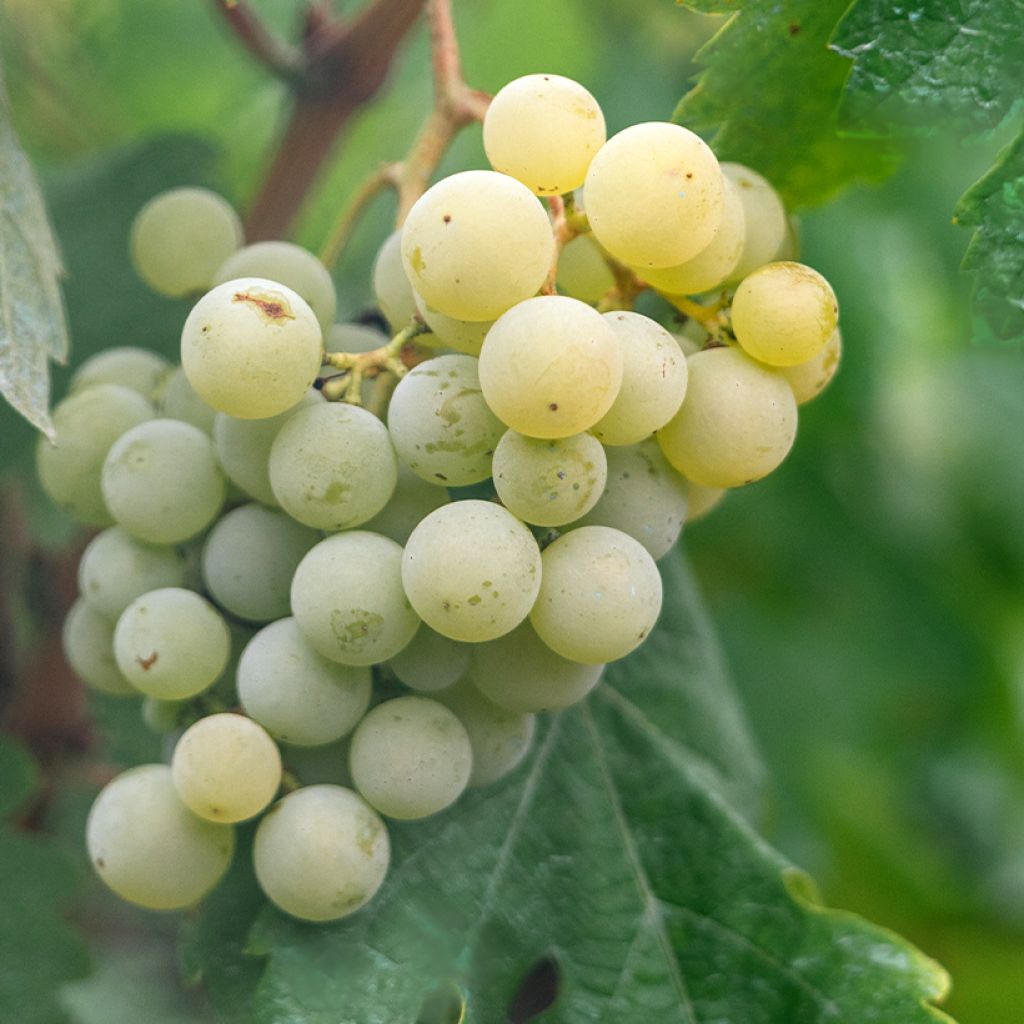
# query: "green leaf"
[[38, 949], [917, 61], [770, 98], [32, 328], [995, 207], [617, 852]]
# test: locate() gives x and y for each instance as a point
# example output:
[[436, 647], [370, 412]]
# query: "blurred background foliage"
[[869, 594]]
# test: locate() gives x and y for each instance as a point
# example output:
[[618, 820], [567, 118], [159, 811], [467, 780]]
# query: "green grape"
[[226, 768], [391, 283], [784, 314], [243, 448], [549, 483], [297, 695], [471, 570], [332, 466], [86, 425], [161, 716], [410, 757], [149, 848], [289, 265], [161, 481], [654, 195], [180, 238], [324, 764], [466, 336], [251, 348], [809, 379], [413, 500], [701, 500], [499, 738], [356, 338], [653, 380], [430, 661], [519, 672], [249, 559], [88, 641], [543, 130], [644, 497], [134, 368], [715, 263], [348, 601], [600, 595], [551, 367], [171, 643], [440, 424], [764, 217], [583, 271], [177, 400], [321, 853], [476, 243], [737, 424], [115, 568]]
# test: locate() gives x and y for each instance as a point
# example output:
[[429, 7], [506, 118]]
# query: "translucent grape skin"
[[430, 662], [410, 757], [764, 217], [783, 314], [321, 853], [251, 348], [161, 481], [465, 336], [171, 643], [583, 272], [115, 569], [226, 768], [654, 195], [288, 264], [88, 642], [87, 424], [600, 595], [471, 570], [549, 483], [440, 424], [737, 424], [519, 672], [180, 238], [543, 130], [653, 385], [296, 694], [249, 558], [177, 400], [332, 466], [391, 284], [412, 501], [348, 600], [476, 243], [131, 367], [551, 367], [149, 848], [809, 379]]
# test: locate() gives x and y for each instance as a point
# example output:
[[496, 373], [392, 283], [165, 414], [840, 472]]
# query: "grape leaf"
[[32, 326], [38, 949], [616, 851], [770, 94], [961, 61]]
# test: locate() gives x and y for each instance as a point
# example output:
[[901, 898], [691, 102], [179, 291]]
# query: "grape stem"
[[710, 316], [393, 359]]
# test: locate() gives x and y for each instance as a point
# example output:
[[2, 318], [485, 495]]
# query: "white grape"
[[177, 400], [692, 336], [226, 768], [653, 380], [809, 379], [348, 600], [296, 694], [161, 481], [440, 424], [466, 336], [410, 757], [88, 642], [471, 570], [180, 238], [583, 271], [654, 195], [412, 501], [737, 424], [600, 595], [551, 367], [476, 243], [430, 662], [543, 130], [251, 348], [391, 283], [356, 338], [135, 368], [171, 643], [764, 217], [321, 853], [161, 716]]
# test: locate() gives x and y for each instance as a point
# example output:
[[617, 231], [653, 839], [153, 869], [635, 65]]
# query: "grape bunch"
[[353, 567]]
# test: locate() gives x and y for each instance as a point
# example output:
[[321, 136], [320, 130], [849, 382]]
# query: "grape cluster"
[[369, 612]]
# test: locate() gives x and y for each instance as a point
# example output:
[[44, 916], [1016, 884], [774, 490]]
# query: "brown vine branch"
[[274, 54]]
